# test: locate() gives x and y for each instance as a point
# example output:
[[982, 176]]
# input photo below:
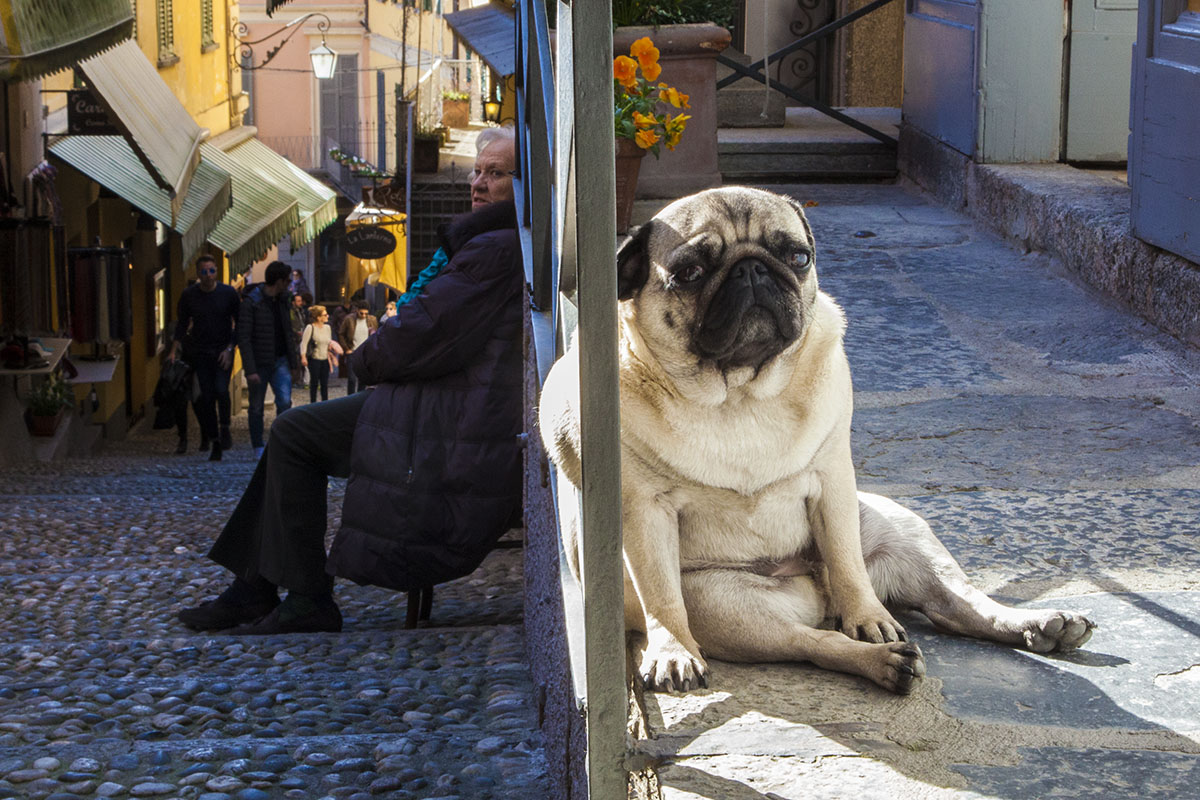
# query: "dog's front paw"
[[869, 621], [668, 666], [899, 666], [1051, 631]]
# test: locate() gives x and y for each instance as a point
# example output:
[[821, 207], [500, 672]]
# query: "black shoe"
[[228, 610], [226, 438], [325, 618], [215, 455], [181, 448]]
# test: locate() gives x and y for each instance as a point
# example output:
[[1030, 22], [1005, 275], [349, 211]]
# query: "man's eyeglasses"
[[493, 174], [207, 270]]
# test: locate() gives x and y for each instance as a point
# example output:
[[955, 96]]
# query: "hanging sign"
[[86, 116], [370, 242]]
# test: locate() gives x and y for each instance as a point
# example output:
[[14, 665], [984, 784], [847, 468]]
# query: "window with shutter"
[[207, 42], [166, 33]]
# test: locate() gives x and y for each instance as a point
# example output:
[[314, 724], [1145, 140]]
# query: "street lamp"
[[491, 108], [324, 60]]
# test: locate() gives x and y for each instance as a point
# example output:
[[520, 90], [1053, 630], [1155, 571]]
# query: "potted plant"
[[688, 35], [47, 402], [456, 109], [426, 141], [643, 118]]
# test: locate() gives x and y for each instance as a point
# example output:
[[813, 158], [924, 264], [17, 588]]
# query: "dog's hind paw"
[[1059, 631], [672, 668]]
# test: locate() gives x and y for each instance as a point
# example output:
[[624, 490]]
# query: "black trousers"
[[318, 377], [277, 530], [213, 401]]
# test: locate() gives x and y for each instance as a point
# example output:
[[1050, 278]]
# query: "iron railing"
[[758, 71], [569, 247]]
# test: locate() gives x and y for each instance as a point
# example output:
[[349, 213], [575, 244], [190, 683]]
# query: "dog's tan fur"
[[743, 529]]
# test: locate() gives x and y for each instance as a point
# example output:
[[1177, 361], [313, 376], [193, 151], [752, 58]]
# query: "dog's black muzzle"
[[751, 316]]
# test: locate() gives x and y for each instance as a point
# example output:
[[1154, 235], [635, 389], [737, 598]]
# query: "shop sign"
[[86, 116], [370, 242]]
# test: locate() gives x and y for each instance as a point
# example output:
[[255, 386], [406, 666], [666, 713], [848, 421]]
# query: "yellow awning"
[[38, 37], [392, 270], [317, 202], [111, 162], [262, 213], [159, 129]]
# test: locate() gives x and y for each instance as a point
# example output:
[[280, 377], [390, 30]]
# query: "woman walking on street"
[[314, 352]]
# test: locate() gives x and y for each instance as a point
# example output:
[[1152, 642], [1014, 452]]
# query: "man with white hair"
[[432, 451]]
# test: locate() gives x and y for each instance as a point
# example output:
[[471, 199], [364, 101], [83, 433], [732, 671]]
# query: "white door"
[[1097, 103]]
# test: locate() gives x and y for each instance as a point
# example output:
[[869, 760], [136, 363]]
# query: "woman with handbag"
[[315, 345]]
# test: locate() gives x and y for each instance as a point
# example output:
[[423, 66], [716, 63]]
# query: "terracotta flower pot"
[[455, 113], [629, 162], [688, 56], [41, 425]]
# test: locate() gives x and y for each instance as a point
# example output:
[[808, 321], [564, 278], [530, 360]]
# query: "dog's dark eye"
[[800, 260], [690, 274]]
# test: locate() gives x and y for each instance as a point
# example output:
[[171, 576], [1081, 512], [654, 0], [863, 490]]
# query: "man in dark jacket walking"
[[432, 452], [268, 346], [207, 313]]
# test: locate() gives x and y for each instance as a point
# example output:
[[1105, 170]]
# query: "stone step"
[[809, 147]]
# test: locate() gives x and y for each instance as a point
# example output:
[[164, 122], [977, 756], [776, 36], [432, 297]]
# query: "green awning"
[[317, 202], [111, 162], [38, 37], [262, 212], [159, 129]]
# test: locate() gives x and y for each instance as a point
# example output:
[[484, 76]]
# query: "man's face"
[[362, 313], [206, 271], [298, 301], [278, 287], [491, 182]]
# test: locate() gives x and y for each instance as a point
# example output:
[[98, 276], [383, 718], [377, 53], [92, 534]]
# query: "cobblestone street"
[[103, 693]]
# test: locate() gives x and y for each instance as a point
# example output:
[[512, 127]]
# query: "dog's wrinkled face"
[[726, 274]]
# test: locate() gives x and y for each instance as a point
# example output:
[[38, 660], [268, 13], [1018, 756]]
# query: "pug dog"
[[745, 538]]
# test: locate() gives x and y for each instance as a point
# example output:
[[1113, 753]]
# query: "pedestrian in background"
[[268, 347], [353, 333], [299, 317], [315, 344], [206, 317], [389, 312]]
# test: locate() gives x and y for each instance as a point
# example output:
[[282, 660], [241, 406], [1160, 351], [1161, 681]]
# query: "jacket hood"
[[464, 228]]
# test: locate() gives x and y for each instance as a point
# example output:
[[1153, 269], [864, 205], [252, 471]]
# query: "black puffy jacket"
[[256, 331], [436, 458]]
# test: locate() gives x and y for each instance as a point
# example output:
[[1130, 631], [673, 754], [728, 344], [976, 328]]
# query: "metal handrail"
[[571, 270], [755, 71]]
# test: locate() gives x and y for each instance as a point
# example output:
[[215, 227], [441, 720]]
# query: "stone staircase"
[[104, 694]]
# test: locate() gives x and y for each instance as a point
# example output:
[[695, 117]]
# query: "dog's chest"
[[745, 452]]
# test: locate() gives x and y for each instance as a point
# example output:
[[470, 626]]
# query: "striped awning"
[[262, 213], [111, 162], [159, 129], [317, 203], [38, 37]]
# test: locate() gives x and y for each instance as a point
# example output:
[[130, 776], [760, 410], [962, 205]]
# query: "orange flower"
[[647, 55], [646, 139], [670, 94], [644, 121], [675, 126], [625, 71]]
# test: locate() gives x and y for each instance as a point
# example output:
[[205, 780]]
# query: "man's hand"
[[303, 361], [171, 353], [225, 359], [253, 378]]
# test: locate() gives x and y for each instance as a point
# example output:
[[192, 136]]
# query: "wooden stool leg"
[[414, 601], [426, 602]]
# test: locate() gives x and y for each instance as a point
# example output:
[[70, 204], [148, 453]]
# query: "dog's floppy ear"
[[633, 261]]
